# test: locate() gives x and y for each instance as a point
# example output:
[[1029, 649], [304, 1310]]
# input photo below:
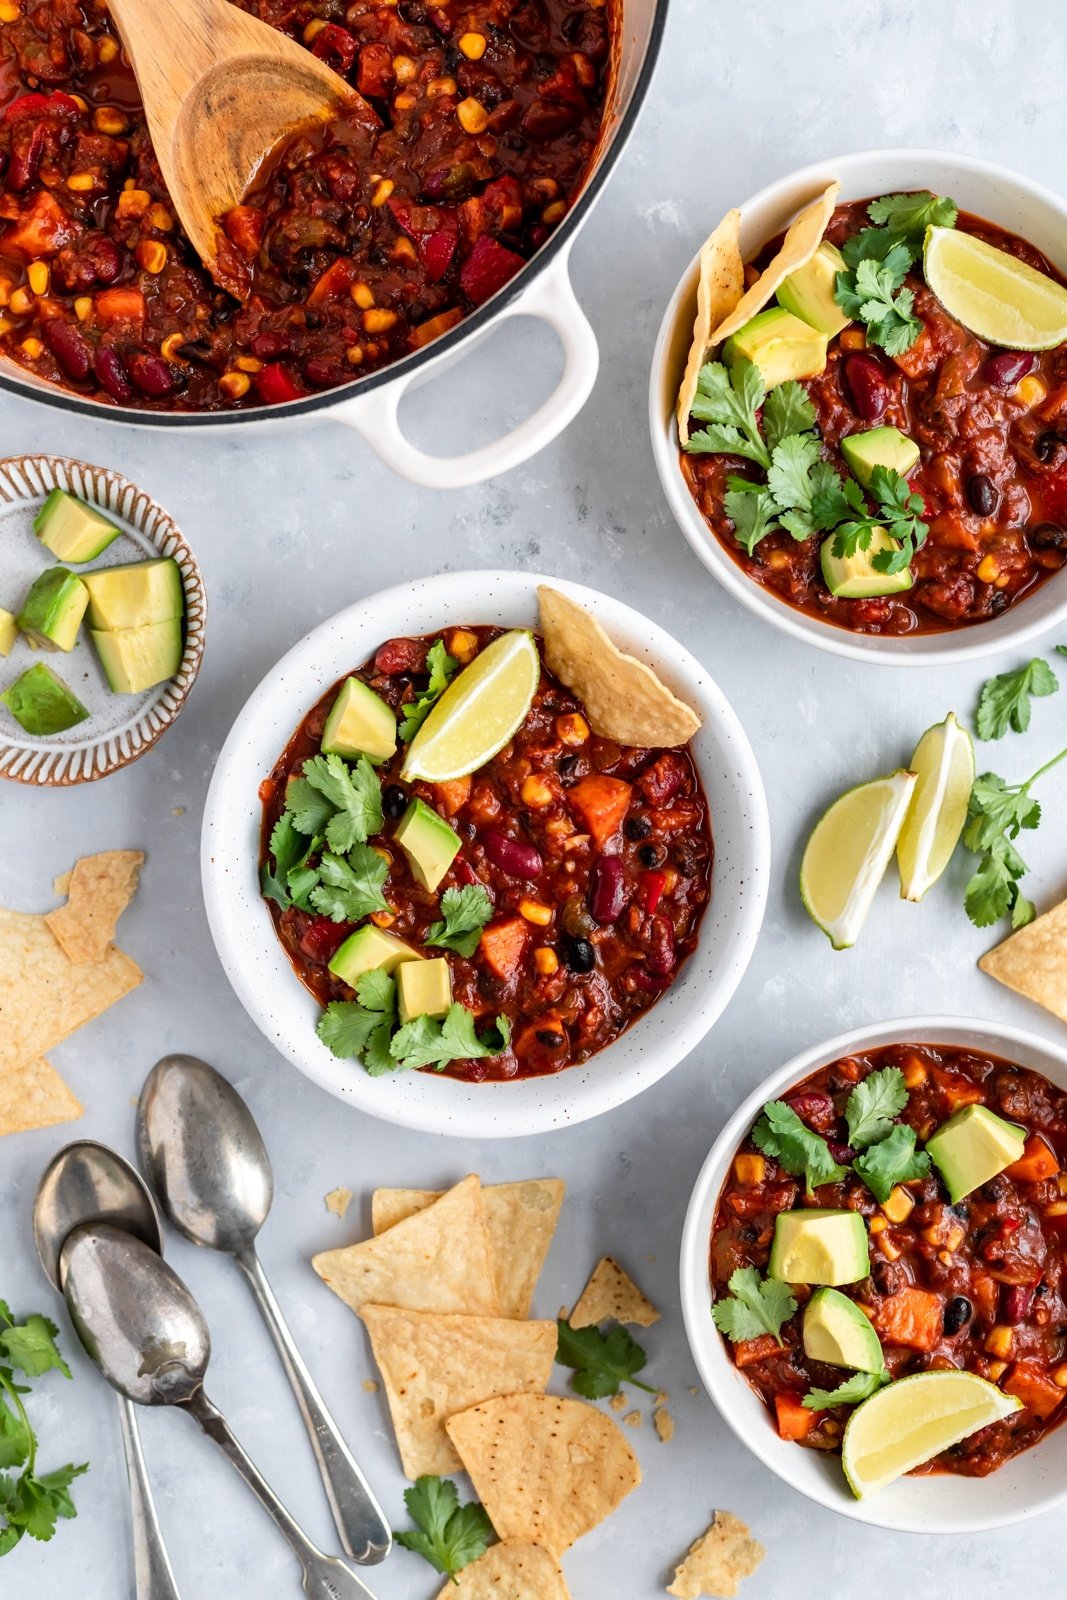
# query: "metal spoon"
[[87, 1182], [206, 1161], [147, 1335]]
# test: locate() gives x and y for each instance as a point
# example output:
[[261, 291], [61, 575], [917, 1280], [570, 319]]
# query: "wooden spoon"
[[220, 90]]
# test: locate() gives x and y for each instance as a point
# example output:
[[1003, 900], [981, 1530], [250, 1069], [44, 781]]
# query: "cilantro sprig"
[[753, 1307], [899, 514], [781, 1134], [441, 667], [447, 1535], [350, 887], [1005, 701], [334, 803], [429, 1042], [465, 913], [367, 1027], [31, 1502], [998, 812], [877, 261], [602, 1362], [859, 1387], [872, 1105]]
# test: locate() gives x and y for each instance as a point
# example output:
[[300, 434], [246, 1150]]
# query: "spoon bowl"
[[87, 1182]]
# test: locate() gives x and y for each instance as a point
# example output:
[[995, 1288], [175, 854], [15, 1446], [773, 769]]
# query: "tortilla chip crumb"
[[563, 1313], [371, 1386], [694, 1391], [1033, 961], [664, 1423], [612, 1293], [179, 811], [338, 1201], [618, 1401], [632, 1419], [718, 1561], [101, 887], [662, 1397]]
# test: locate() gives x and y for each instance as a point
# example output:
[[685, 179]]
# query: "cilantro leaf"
[[466, 912], [30, 1347], [907, 216], [1005, 700], [859, 1387], [29, 1503], [872, 291], [41, 1501], [309, 809], [351, 888], [364, 1026], [428, 1042], [781, 1134], [729, 399], [751, 508], [787, 409], [872, 1105], [355, 793], [754, 1306], [447, 1535], [602, 1362], [414, 714], [789, 475], [285, 849], [893, 1160], [14, 1436]]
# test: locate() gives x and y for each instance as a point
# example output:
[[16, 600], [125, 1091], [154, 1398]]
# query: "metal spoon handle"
[[360, 1522], [325, 1578], [152, 1574]]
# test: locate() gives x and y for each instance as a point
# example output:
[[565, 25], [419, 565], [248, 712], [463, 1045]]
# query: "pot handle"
[[551, 298]]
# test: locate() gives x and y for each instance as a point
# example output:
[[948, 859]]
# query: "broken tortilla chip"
[[101, 887], [623, 699], [546, 1469], [44, 996], [1033, 961], [437, 1260], [35, 1096], [511, 1570], [520, 1220], [718, 1561], [720, 284], [664, 1423], [611, 1292], [434, 1366], [802, 238], [338, 1201]]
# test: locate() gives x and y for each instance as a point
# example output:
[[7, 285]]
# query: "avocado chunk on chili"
[[9, 631], [368, 950], [135, 659], [52, 612], [819, 1246], [42, 704], [972, 1147], [780, 345], [429, 843], [71, 529], [836, 1331], [808, 293], [423, 988], [136, 593], [359, 723], [879, 447], [856, 577]]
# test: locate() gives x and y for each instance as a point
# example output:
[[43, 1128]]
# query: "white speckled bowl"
[[120, 727], [1023, 1487], [259, 969]]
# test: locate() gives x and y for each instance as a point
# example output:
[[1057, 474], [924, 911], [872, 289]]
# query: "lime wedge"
[[478, 712], [912, 1421], [995, 295], [944, 764], [848, 853]]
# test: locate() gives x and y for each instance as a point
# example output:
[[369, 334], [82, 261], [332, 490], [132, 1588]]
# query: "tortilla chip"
[[718, 1561], [720, 284], [802, 238], [338, 1201], [623, 699], [101, 887], [35, 1096], [510, 1570], [438, 1260], [434, 1366], [612, 1293], [520, 1219], [1033, 961], [546, 1469], [664, 1423], [44, 997]]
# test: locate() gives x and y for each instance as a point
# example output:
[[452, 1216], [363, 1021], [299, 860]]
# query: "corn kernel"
[[473, 117], [83, 307], [535, 792], [547, 962], [81, 182], [572, 729], [914, 1074], [670, 881], [248, 364], [235, 385], [354, 355], [379, 321], [383, 854], [152, 255], [404, 101], [79, 100], [313, 29], [999, 1341], [853, 339], [879, 1224], [988, 569], [363, 295], [440, 86], [461, 643], [159, 217], [750, 1169], [899, 1205], [109, 119], [107, 50], [10, 11], [21, 302], [382, 192], [1061, 1183], [996, 1370], [404, 249], [405, 68], [1059, 1377], [383, 919], [1058, 1208], [37, 273], [1031, 391], [6, 325], [132, 203], [473, 45], [555, 212], [945, 1257], [533, 911], [32, 348], [891, 1251], [954, 1238]]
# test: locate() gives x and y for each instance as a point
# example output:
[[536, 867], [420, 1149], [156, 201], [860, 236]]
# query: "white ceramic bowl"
[[1025, 1486], [259, 969], [1003, 197]]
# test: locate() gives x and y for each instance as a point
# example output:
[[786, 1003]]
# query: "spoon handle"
[[153, 1578], [362, 1527]]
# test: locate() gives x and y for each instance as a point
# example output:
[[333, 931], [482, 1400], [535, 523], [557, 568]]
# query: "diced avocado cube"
[[819, 1246], [809, 291], [135, 659], [367, 950], [879, 447], [429, 843], [9, 631], [781, 345], [837, 1332], [972, 1147], [423, 988], [856, 577], [72, 530], [359, 723], [41, 702], [52, 612], [128, 596]]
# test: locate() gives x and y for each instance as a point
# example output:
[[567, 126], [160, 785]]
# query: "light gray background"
[[290, 527]]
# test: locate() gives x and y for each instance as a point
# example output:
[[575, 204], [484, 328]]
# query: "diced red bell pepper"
[[434, 230], [41, 105], [275, 385], [487, 269], [322, 938], [437, 253], [650, 890], [376, 72]]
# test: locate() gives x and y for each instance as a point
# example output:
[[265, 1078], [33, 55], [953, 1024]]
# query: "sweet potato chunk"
[[601, 803], [795, 1421], [1029, 1382], [452, 796], [912, 1318], [502, 945], [1036, 1163], [749, 1351]]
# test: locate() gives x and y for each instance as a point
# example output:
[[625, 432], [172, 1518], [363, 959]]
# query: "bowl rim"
[[705, 1343], [972, 644], [488, 1110]]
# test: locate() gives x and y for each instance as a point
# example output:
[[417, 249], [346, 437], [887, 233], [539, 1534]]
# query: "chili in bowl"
[[943, 1228], [569, 968]]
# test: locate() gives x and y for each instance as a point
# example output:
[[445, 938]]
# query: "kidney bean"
[[398, 656], [109, 368], [1016, 1304], [152, 375], [650, 983], [660, 958], [866, 385], [983, 494], [814, 1108], [843, 1154], [607, 889], [511, 855], [1008, 367], [1047, 536], [69, 346]]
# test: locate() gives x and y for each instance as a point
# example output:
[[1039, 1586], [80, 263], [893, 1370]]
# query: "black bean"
[[551, 1038], [394, 801], [957, 1314], [638, 827], [567, 765], [579, 954], [1047, 446], [1047, 536], [650, 855], [983, 495]]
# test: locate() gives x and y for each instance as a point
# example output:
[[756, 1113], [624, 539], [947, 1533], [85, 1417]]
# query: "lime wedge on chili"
[[478, 712], [848, 853], [913, 1420], [944, 765], [994, 294]]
